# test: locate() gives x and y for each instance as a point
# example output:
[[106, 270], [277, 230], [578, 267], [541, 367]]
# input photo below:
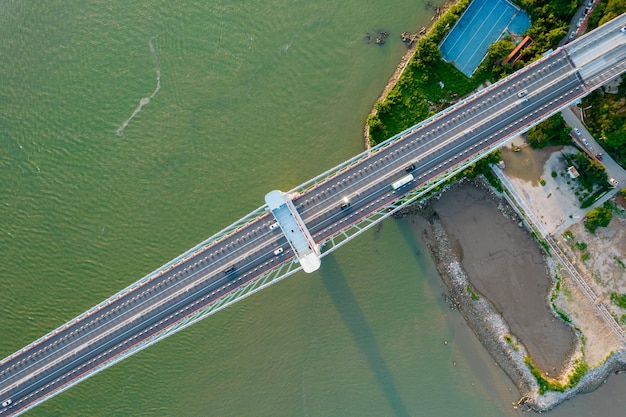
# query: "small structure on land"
[[573, 173], [517, 52]]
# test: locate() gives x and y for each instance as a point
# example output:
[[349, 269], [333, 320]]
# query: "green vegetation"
[[553, 131], [554, 296], [554, 174], [619, 262], [605, 11], [581, 246], [507, 339], [605, 114], [593, 197], [417, 95], [606, 118], [568, 235], [545, 245], [472, 294], [580, 369], [599, 217], [585, 256], [550, 20], [619, 299], [591, 172]]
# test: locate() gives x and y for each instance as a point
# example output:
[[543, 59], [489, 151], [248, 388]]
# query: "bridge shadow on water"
[[335, 282]]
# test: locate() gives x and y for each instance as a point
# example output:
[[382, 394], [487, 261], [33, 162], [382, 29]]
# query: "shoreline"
[[404, 61], [488, 324]]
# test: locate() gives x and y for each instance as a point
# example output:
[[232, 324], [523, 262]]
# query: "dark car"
[[599, 156], [230, 270], [410, 168]]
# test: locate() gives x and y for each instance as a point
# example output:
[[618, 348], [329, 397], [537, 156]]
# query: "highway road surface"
[[483, 121]]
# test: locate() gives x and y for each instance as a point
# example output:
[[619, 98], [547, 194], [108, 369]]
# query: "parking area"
[[482, 23]]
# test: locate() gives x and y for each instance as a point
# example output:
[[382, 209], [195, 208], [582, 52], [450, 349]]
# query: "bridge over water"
[[253, 253]]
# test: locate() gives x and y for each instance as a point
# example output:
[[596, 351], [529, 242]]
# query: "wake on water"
[[145, 100]]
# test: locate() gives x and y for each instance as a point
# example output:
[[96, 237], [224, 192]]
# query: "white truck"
[[402, 181]]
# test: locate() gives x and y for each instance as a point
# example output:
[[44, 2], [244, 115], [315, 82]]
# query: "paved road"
[[505, 109]]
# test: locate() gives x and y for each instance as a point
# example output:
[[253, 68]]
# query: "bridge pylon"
[[294, 229]]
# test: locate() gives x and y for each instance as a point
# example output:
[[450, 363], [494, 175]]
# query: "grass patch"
[[580, 369], [554, 296], [619, 300], [581, 246], [417, 95], [472, 294], [594, 197]]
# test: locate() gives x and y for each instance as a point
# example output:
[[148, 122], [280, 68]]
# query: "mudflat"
[[505, 265]]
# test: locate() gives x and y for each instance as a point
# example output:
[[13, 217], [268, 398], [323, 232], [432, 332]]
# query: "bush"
[[619, 300], [599, 217], [553, 131]]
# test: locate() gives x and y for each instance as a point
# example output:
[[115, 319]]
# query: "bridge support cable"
[[271, 277], [385, 211], [250, 217], [382, 213], [588, 78]]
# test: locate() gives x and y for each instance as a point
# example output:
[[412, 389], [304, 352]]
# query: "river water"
[[130, 131]]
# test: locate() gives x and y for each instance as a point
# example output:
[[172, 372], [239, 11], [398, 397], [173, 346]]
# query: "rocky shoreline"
[[410, 39], [485, 321]]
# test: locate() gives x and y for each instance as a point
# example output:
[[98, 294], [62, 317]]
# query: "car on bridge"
[[7, 403]]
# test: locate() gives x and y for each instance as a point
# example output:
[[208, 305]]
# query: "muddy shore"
[[548, 338]]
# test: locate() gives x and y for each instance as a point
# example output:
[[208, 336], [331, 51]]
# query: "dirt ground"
[[557, 208], [604, 269], [555, 204], [509, 270]]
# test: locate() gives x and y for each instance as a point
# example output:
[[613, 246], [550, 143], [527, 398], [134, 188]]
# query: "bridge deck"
[[133, 318]]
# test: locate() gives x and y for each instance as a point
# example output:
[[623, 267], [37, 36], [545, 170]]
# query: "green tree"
[[599, 217], [553, 131]]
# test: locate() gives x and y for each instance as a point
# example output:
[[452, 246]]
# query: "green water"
[[239, 98]]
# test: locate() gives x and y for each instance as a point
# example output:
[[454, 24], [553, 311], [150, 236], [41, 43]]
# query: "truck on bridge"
[[402, 181]]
